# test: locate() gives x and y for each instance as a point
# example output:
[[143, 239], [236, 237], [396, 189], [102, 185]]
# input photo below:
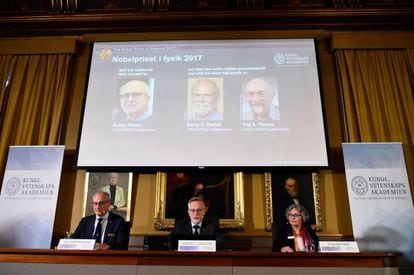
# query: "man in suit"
[[107, 228], [195, 226]]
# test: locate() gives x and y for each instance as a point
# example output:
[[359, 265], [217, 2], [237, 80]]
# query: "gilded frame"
[[314, 178], [162, 223], [95, 181]]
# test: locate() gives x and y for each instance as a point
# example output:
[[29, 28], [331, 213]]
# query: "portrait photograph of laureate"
[[205, 99], [135, 101], [261, 100]]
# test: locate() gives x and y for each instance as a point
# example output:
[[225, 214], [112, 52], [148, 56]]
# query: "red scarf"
[[306, 238]]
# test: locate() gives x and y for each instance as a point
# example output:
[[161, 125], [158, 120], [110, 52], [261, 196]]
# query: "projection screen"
[[203, 103]]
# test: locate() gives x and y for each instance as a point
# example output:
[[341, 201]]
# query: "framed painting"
[[119, 187], [283, 189], [222, 193]]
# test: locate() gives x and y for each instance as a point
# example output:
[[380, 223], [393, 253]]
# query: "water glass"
[[309, 246]]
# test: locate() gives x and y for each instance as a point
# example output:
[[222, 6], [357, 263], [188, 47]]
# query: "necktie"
[[196, 227], [112, 190], [98, 231]]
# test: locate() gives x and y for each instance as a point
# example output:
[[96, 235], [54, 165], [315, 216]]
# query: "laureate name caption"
[[206, 126], [262, 126]]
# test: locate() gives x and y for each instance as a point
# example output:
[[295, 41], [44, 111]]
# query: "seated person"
[[107, 228], [297, 235], [196, 226], [292, 193]]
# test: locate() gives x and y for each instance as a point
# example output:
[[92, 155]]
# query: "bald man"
[[133, 99], [204, 99]]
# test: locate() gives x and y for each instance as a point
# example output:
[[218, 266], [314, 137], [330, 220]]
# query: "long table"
[[76, 262]]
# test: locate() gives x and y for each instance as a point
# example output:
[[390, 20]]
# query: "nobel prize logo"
[[13, 186], [359, 185], [105, 54], [279, 58]]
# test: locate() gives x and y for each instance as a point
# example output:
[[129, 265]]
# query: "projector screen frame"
[[259, 169]]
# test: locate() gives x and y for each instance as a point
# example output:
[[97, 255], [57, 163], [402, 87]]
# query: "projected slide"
[[236, 103]]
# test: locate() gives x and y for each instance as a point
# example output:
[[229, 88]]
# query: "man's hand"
[[101, 246], [286, 249]]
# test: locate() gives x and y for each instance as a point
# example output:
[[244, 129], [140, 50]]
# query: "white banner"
[[29, 196], [379, 196]]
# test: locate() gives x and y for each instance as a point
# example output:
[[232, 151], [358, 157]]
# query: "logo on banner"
[[13, 186], [29, 188], [359, 185], [378, 187]]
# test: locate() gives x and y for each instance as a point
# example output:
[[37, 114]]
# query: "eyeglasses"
[[133, 95], [294, 216], [195, 210], [100, 203]]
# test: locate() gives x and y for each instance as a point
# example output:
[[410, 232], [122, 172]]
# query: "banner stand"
[[380, 198], [29, 195]]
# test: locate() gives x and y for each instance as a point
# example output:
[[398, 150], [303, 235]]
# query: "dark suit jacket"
[[283, 232], [116, 233], [183, 229]]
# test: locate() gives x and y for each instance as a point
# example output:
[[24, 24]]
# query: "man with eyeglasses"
[[195, 226], [134, 101], [107, 228]]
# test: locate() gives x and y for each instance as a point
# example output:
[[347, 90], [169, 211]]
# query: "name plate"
[[199, 245], [340, 246], [77, 244]]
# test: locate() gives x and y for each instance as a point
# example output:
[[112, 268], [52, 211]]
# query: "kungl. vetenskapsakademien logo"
[[359, 185], [13, 186]]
